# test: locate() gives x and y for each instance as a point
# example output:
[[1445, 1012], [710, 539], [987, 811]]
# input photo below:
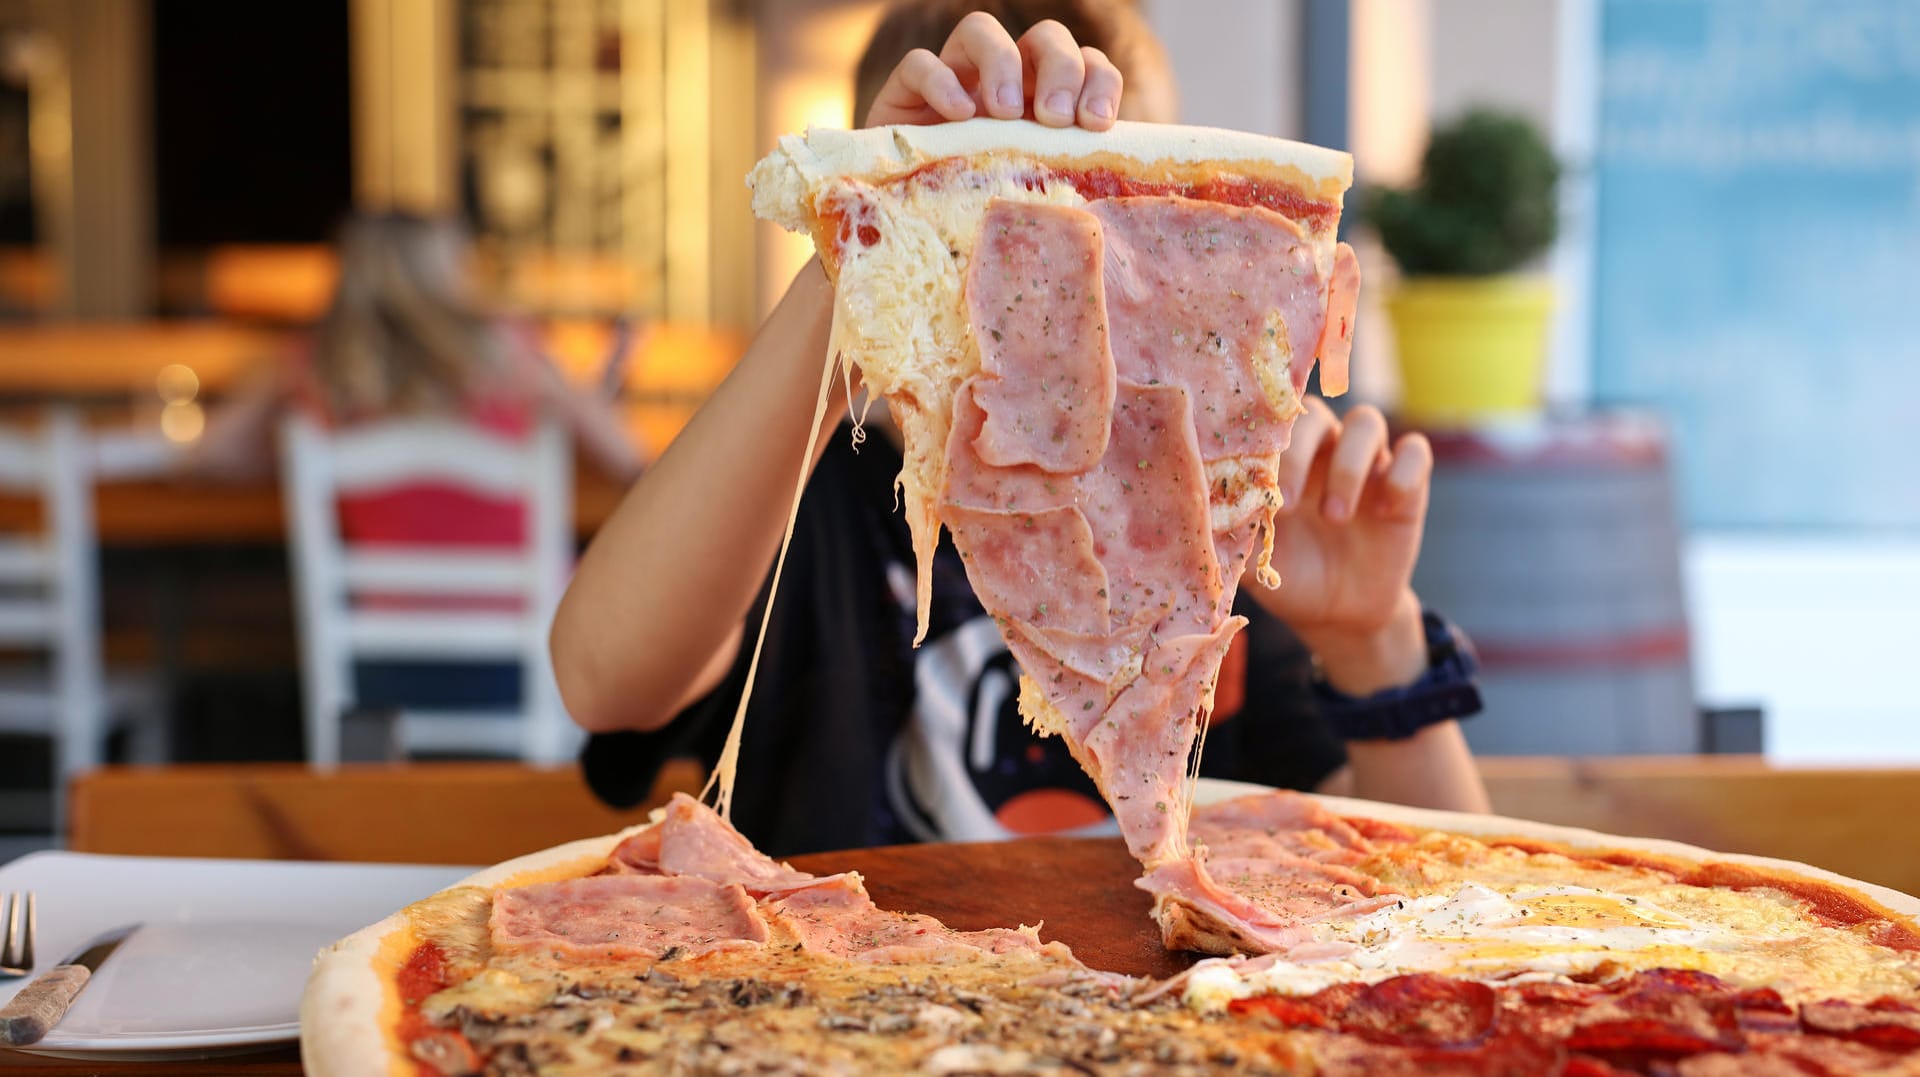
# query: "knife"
[[41, 1004]]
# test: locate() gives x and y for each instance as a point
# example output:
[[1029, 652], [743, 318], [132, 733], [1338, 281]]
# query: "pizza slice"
[[1095, 346]]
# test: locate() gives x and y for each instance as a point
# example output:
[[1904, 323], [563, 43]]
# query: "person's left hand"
[[1353, 507]]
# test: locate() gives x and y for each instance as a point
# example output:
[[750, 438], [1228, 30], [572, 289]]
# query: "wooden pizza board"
[[1078, 890]]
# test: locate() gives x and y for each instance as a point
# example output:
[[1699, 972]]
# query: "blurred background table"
[[195, 591], [114, 372]]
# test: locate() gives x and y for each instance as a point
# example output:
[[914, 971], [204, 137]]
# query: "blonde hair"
[[403, 333]]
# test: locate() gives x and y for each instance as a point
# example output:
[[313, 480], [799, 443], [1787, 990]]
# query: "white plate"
[[224, 952]]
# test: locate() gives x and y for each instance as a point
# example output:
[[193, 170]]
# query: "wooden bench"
[[1855, 822]]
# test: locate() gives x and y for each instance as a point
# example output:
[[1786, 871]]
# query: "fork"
[[16, 945]]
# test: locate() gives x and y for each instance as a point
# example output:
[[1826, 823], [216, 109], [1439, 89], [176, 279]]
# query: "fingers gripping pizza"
[[1095, 346]]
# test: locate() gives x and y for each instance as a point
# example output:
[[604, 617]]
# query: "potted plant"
[[1471, 329]]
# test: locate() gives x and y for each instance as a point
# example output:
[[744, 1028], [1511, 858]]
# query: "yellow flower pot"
[[1470, 348]]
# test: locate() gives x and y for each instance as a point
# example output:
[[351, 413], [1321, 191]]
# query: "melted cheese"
[[727, 768], [456, 919], [1272, 364], [1041, 715], [900, 314], [1517, 932], [900, 317]]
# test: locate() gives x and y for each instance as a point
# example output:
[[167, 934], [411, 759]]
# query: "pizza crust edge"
[[785, 181]]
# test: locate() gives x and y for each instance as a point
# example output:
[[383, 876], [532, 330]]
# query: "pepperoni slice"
[[1584, 1066], [1893, 1027], [1503, 1055], [1552, 993], [1763, 1010], [1634, 1041], [1423, 1010], [1678, 981], [1291, 1012]]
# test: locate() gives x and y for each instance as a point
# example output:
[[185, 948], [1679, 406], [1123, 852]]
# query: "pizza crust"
[[784, 182], [1185, 926]]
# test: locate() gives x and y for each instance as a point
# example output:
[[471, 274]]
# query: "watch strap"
[[1445, 691]]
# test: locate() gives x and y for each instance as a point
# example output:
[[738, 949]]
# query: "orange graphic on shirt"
[[1230, 689], [1049, 811]]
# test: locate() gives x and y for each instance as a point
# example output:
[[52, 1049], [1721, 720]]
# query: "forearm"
[[1431, 769], [668, 578]]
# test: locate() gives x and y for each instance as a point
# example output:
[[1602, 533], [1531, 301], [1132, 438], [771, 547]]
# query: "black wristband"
[[1444, 692]]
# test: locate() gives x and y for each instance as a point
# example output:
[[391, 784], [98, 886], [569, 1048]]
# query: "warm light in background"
[[182, 422], [285, 281], [813, 88], [813, 101], [177, 383], [670, 369], [1391, 79], [1390, 89]]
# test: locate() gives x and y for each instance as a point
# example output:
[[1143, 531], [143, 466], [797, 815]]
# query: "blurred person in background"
[[853, 736], [405, 336]]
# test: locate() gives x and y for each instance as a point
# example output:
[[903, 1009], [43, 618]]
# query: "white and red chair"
[[50, 610], [475, 605]]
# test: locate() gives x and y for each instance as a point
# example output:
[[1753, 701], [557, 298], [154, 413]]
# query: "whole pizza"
[[1095, 346], [1423, 942]]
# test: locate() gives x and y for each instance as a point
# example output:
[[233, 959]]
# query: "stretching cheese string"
[[721, 781]]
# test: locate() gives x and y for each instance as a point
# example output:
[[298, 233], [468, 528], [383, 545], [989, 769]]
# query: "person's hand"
[[983, 71], [1345, 541]]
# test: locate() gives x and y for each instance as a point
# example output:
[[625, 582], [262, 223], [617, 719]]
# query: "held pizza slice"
[[1095, 346]]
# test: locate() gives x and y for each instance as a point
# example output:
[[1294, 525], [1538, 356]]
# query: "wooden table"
[[1079, 890]]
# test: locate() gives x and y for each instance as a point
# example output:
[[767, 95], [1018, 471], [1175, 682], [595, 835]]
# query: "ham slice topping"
[[1054, 418], [695, 841], [838, 919], [1111, 468], [606, 918], [691, 884], [692, 840], [1285, 826]]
